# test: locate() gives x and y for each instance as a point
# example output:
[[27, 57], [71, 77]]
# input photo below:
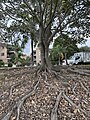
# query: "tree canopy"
[[46, 19], [84, 49]]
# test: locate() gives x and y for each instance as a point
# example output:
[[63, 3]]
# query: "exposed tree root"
[[78, 72], [19, 104], [74, 105], [84, 87], [7, 117], [11, 88], [17, 74], [74, 88], [45, 71], [54, 110], [14, 86]]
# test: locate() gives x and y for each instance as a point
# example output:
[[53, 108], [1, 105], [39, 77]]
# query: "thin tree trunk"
[[66, 58], [42, 56], [32, 51], [59, 61], [48, 63]]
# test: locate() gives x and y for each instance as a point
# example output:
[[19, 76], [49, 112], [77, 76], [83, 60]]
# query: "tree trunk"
[[45, 63], [66, 58], [43, 36], [42, 49], [59, 62], [32, 51]]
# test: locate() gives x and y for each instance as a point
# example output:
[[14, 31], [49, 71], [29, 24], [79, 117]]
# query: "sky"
[[27, 49], [87, 43]]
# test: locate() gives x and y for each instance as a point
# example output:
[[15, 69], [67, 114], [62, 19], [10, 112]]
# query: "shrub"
[[1, 63], [9, 64]]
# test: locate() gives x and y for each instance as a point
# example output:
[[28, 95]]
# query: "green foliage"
[[84, 49], [10, 64], [23, 62], [67, 44], [28, 13], [62, 46], [1, 63], [15, 52], [65, 5]]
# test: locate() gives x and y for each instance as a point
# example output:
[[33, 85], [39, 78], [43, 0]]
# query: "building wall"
[[38, 56], [3, 53]]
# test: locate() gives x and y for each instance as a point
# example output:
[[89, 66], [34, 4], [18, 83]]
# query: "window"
[[2, 54], [78, 57]]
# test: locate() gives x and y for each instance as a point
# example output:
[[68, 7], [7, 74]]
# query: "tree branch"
[[32, 11], [59, 26], [52, 15]]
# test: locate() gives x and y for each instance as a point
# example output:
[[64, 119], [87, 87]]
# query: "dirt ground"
[[25, 96]]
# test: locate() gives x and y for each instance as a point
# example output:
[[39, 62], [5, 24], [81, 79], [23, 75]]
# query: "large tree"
[[50, 18]]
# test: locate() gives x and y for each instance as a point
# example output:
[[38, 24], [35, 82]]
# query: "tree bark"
[[32, 51], [44, 44], [42, 49], [45, 63], [66, 58]]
